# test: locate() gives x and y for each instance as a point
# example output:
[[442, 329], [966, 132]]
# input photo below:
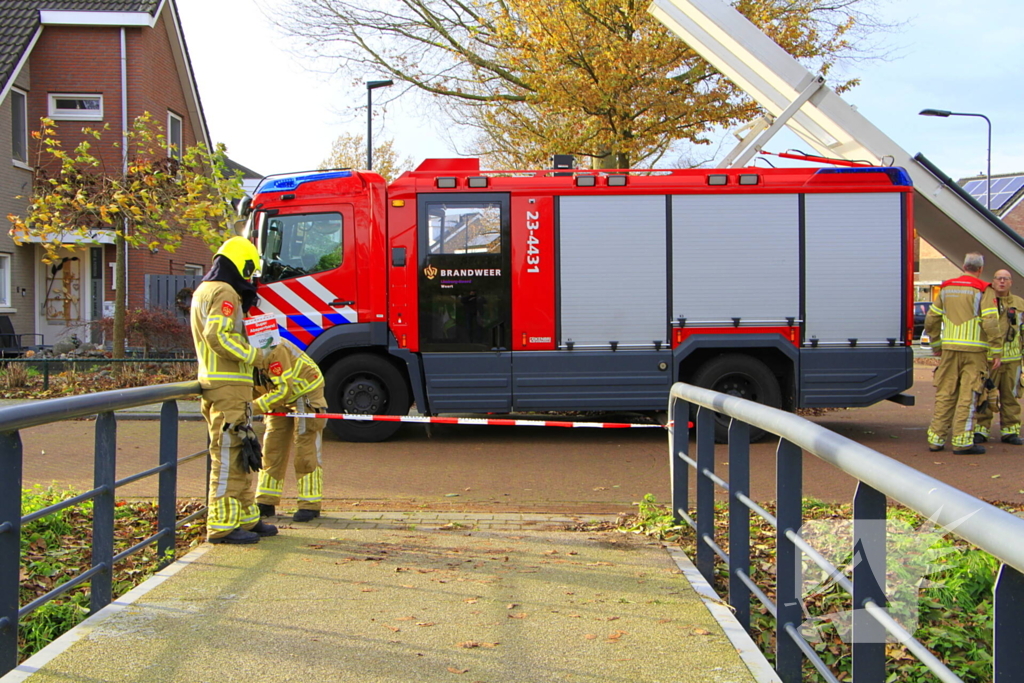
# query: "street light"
[[370, 86], [988, 175]]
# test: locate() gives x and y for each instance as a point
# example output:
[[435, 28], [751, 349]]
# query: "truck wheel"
[[364, 383], [739, 375]]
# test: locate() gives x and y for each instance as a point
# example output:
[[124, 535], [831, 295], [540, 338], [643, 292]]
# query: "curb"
[[748, 651]]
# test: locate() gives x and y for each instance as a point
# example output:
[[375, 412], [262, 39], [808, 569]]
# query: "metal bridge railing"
[[102, 405], [987, 527]]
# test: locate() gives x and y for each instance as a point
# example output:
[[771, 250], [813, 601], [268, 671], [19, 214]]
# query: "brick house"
[[87, 63], [1007, 204]]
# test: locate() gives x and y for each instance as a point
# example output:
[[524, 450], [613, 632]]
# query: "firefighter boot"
[[236, 537], [976, 449], [1012, 439], [264, 529], [305, 515], [266, 510]]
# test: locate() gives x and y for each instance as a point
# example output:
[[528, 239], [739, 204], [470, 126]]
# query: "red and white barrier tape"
[[423, 419]]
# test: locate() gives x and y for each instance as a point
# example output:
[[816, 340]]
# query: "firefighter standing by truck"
[[963, 325], [292, 383], [1006, 391], [225, 374]]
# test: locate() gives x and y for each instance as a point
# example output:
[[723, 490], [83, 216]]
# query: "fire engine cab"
[[471, 291]]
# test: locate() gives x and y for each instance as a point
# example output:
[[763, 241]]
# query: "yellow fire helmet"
[[243, 254]]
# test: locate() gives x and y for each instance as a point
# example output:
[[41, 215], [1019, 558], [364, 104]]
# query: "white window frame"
[[193, 269], [180, 142], [58, 114], [5, 281], [19, 110]]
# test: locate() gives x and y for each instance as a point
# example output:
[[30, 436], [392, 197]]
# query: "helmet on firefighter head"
[[243, 254]]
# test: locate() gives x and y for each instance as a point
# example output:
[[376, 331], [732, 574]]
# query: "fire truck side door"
[[465, 300], [309, 271]]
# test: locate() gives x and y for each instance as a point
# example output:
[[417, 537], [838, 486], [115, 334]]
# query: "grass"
[[939, 587], [58, 547]]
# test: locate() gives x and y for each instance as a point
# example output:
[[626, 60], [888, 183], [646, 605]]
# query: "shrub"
[[151, 328]]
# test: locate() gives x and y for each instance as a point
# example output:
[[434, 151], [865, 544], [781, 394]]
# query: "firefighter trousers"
[[1006, 399], [959, 382], [231, 496], [307, 433]]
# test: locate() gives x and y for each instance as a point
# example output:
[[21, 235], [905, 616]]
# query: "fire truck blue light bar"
[[290, 182]]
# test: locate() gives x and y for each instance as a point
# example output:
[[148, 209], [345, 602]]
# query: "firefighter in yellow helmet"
[[963, 324], [225, 374], [1005, 395], [292, 383]]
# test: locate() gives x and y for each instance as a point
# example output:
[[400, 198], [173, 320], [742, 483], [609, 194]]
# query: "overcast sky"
[[275, 115]]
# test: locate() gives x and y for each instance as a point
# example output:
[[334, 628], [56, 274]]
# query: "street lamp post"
[[370, 86], [988, 173]]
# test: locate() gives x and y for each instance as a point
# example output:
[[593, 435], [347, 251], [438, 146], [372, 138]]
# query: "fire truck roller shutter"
[[854, 288], [853, 268], [736, 256], [613, 277]]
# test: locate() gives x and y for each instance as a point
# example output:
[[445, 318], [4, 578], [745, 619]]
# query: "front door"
[[465, 301], [309, 271]]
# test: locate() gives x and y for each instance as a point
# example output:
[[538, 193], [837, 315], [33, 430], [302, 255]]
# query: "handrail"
[[981, 523], [13, 418], [998, 533], [101, 404]]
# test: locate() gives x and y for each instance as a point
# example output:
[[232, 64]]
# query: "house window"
[[71, 107], [173, 135], [193, 269], [19, 126], [5, 280]]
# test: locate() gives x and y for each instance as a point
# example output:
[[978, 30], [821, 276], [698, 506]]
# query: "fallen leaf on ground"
[[453, 670], [394, 628], [590, 636], [996, 476], [701, 632], [520, 615], [615, 635], [425, 623], [475, 643]]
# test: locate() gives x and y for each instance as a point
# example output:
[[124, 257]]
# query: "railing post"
[[167, 498], [103, 510], [1008, 626], [10, 547], [869, 535], [705, 492], [739, 520], [789, 476], [680, 445]]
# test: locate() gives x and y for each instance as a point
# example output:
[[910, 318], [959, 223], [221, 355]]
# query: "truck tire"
[[368, 384], [740, 375]]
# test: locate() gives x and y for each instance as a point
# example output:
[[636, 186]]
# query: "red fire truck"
[[471, 291]]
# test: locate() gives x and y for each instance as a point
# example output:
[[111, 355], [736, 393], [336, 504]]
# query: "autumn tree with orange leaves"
[[150, 198], [595, 78]]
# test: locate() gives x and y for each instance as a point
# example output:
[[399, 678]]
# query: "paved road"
[[534, 469]]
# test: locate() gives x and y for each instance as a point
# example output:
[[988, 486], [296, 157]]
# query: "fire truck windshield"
[[300, 244]]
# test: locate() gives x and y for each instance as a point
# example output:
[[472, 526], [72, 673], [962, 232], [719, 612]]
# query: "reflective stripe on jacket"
[[222, 348], [291, 373], [965, 317]]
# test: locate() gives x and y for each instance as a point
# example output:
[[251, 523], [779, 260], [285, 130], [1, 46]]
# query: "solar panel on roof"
[[1003, 190]]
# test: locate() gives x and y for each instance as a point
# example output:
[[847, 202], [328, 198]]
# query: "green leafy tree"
[[152, 199], [349, 151], [594, 78]]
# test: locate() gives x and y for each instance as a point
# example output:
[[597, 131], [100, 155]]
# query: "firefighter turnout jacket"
[[1011, 310], [965, 317], [290, 374], [223, 350]]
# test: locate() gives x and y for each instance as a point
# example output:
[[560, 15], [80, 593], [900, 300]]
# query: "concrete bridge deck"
[[413, 597]]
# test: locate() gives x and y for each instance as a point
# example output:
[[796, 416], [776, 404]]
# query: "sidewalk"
[[410, 597]]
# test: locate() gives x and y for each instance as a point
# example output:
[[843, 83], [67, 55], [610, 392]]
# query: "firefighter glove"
[[252, 453]]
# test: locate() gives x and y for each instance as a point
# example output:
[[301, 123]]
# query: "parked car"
[[920, 311]]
